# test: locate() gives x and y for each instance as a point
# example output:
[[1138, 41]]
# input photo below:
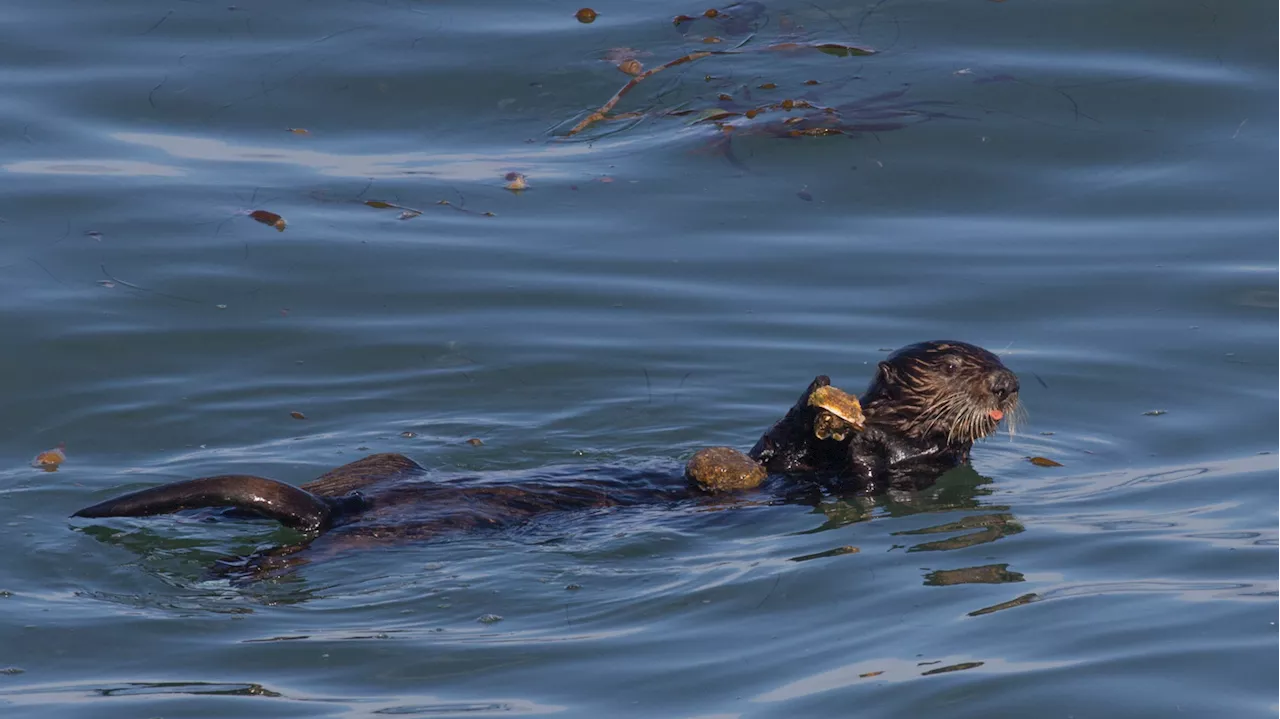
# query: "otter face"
[[953, 389]]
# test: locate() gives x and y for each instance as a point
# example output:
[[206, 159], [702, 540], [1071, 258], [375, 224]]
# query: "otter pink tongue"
[[996, 414]]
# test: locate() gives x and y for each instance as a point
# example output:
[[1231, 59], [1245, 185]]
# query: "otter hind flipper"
[[293, 507], [362, 473]]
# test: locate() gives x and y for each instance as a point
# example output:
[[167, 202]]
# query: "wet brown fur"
[[941, 389]]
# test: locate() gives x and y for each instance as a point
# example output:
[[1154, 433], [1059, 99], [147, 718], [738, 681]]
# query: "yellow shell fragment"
[[839, 413]]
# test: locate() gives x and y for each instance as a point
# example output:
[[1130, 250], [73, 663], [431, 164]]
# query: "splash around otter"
[[926, 406]]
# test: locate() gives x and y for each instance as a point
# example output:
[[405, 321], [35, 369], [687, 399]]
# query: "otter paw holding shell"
[[721, 469], [838, 413]]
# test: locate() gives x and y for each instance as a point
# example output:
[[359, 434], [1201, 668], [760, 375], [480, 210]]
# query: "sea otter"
[[923, 411]]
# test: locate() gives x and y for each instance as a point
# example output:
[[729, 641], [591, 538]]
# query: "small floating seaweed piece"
[[816, 132], [617, 96], [953, 668], [299, 131], [1043, 462], [475, 442], [586, 15], [838, 551], [868, 675], [682, 19], [50, 459], [406, 213], [829, 48], [269, 218], [297, 415], [603, 111], [839, 50]]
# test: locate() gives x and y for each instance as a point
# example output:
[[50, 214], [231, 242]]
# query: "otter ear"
[[886, 373]]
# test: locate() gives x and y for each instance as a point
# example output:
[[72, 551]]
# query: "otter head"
[[952, 391]]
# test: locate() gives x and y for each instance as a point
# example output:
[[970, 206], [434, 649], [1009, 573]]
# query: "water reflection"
[[893, 669], [986, 574], [199, 567], [109, 168], [49, 696], [226, 690], [959, 490], [987, 528], [445, 165]]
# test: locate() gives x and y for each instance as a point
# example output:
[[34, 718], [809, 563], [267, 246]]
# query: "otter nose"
[[1003, 385]]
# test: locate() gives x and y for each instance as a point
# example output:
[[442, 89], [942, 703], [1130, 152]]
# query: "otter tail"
[[293, 507]]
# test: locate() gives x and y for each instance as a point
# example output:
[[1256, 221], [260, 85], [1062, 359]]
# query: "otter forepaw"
[[838, 413]]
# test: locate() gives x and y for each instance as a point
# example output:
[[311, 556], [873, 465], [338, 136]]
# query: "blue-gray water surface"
[[1086, 188]]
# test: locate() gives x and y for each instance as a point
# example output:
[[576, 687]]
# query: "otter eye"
[[951, 365]]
